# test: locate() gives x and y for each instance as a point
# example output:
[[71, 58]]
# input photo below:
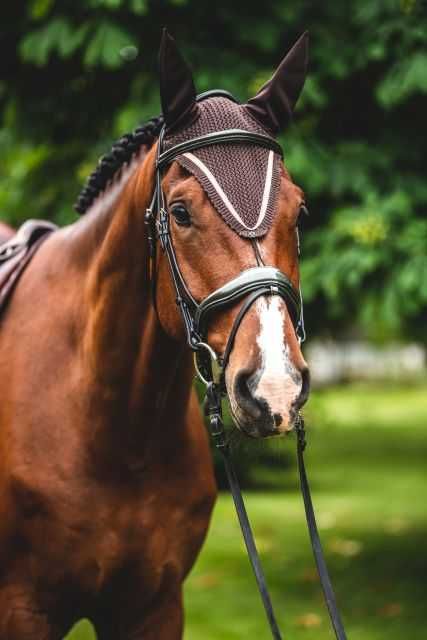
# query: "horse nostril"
[[305, 388], [251, 405], [277, 419]]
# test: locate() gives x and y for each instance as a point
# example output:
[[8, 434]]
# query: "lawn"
[[366, 461]]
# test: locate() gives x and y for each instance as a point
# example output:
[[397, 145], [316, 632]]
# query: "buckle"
[[151, 232], [163, 227]]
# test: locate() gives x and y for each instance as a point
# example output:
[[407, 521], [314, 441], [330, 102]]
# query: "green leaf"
[[57, 36], [111, 5], [404, 79], [105, 46], [40, 8], [313, 94], [139, 7]]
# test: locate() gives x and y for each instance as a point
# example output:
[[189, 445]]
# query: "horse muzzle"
[[264, 407]]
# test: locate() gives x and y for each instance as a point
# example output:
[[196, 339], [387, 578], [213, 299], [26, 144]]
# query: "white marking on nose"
[[280, 382]]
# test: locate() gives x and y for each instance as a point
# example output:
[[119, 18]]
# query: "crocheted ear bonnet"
[[241, 180]]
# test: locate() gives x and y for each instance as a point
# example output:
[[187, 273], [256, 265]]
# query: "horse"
[[106, 478]]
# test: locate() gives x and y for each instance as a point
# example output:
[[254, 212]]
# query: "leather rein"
[[248, 286]]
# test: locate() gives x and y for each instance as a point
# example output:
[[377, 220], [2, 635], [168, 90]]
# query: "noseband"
[[249, 285]]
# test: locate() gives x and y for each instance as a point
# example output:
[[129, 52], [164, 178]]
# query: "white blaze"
[[279, 383]]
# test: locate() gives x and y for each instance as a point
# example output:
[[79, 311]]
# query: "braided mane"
[[120, 154]]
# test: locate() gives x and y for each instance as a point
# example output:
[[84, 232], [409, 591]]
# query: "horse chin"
[[262, 428]]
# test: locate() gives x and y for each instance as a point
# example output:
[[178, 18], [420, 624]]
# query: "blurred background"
[[75, 76]]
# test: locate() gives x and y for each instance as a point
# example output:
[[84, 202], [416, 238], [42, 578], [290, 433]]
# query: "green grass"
[[366, 462]]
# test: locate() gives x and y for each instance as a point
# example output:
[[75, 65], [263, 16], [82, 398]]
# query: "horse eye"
[[303, 211], [181, 215]]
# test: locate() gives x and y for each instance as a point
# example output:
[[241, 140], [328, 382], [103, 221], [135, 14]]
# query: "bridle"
[[248, 286]]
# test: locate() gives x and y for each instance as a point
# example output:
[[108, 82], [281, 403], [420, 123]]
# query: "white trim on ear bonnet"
[[241, 180]]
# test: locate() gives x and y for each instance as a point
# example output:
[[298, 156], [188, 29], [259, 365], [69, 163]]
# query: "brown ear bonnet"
[[242, 181]]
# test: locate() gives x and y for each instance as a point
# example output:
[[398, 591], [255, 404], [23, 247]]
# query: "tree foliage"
[[74, 76]]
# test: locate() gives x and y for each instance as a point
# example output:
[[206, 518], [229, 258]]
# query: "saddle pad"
[[16, 253]]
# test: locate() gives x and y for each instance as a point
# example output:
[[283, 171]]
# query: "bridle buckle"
[[163, 227], [151, 231]]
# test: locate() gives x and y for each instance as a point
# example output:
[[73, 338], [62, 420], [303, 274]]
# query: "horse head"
[[233, 209]]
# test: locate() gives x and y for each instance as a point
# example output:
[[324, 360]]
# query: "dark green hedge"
[[76, 75]]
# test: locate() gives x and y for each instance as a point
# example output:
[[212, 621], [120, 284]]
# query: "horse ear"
[[177, 91], [274, 103]]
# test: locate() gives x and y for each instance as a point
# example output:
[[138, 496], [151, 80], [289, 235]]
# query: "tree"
[[75, 76]]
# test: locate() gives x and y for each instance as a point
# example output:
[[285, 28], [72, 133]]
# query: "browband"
[[228, 136]]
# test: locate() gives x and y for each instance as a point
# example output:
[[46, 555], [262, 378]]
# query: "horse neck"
[[137, 373]]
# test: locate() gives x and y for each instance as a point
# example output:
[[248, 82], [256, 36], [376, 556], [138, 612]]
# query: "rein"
[[248, 286], [213, 408]]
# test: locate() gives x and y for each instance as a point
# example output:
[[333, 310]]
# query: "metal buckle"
[[163, 227], [151, 231]]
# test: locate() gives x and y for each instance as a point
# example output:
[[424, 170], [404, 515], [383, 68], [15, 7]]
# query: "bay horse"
[[106, 478]]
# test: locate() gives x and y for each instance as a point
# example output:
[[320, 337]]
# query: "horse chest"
[[99, 533]]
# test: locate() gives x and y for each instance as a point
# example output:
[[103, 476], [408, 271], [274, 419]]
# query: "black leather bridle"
[[248, 286]]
